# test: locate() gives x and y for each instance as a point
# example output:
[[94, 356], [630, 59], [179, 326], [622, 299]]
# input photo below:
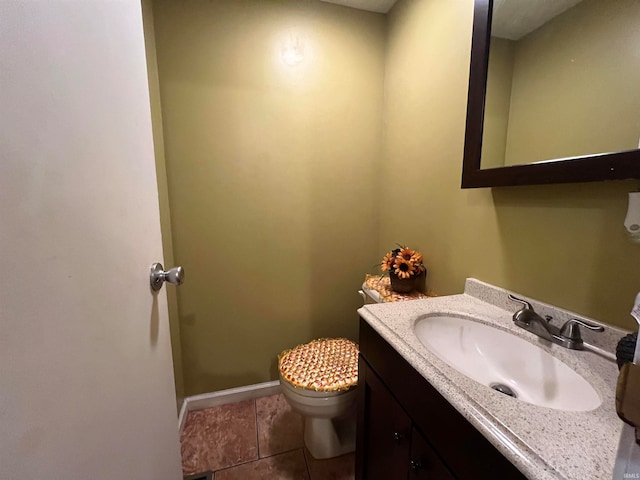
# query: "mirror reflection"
[[563, 80]]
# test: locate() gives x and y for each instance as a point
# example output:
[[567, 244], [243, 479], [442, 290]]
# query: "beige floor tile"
[[338, 468], [219, 437], [279, 427], [286, 466]]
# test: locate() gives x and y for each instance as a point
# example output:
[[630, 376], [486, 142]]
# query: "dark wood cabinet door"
[[425, 463], [462, 448], [386, 437]]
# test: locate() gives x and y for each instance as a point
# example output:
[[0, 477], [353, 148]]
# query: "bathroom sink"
[[506, 363]]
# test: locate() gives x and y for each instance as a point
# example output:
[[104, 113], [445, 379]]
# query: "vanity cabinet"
[[394, 447], [407, 430]]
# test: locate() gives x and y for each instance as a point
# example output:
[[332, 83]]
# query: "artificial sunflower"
[[406, 253], [403, 268], [403, 261], [416, 259], [387, 262], [418, 268]]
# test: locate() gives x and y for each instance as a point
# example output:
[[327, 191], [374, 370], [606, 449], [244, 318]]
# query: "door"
[[425, 463], [86, 388]]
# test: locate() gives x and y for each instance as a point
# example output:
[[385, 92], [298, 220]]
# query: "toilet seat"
[[323, 365], [307, 392]]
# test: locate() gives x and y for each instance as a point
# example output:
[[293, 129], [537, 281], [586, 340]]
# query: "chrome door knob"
[[158, 276]]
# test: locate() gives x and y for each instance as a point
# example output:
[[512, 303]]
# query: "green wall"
[[563, 244], [272, 176], [288, 184]]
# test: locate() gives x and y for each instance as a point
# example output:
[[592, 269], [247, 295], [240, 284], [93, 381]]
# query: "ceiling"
[[513, 19], [380, 6]]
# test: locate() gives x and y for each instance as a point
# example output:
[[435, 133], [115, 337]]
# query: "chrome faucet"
[[568, 335]]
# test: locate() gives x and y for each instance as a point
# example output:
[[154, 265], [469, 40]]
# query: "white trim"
[[370, 296], [182, 416], [213, 399]]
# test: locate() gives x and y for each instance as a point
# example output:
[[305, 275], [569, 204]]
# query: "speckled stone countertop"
[[542, 443]]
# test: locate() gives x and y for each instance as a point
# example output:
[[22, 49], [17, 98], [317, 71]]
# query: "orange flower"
[[387, 262], [403, 268], [403, 261], [406, 253]]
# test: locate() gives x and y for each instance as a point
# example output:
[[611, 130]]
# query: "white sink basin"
[[493, 357]]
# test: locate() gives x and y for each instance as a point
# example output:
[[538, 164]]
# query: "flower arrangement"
[[403, 262]]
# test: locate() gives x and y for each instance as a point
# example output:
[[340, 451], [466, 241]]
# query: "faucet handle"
[[571, 328], [526, 305]]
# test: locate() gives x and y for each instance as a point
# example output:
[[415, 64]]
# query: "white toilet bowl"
[[329, 418]]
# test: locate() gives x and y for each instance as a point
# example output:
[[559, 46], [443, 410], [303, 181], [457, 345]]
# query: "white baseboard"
[[213, 399]]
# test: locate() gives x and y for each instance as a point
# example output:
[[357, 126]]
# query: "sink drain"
[[502, 388]]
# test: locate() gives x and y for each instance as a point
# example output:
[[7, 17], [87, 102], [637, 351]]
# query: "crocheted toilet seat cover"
[[326, 365]]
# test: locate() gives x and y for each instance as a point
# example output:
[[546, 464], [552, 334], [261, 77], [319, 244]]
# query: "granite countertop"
[[542, 443]]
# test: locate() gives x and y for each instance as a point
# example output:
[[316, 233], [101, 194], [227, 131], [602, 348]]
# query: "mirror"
[[553, 92]]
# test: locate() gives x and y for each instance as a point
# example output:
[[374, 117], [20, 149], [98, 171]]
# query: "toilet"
[[319, 380]]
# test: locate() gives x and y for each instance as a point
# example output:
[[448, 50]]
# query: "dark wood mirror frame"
[[605, 166]]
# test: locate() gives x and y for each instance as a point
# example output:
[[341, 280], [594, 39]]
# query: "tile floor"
[[255, 439]]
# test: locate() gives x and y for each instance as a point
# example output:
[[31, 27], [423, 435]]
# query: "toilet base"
[[328, 438]]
